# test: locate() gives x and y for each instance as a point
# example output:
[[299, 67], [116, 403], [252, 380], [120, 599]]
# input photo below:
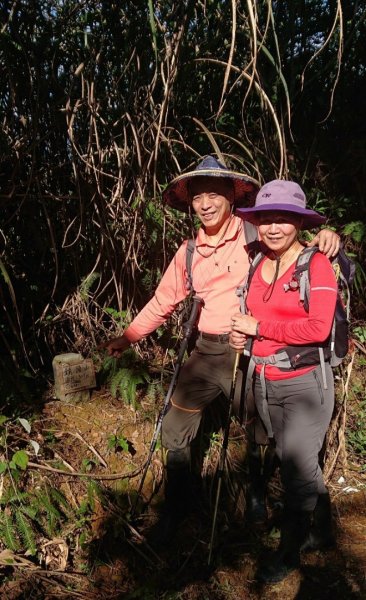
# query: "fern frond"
[[61, 501], [25, 532], [53, 515], [117, 381], [13, 496], [91, 492], [8, 532], [31, 511]]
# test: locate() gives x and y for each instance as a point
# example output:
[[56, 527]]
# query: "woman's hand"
[[244, 324]]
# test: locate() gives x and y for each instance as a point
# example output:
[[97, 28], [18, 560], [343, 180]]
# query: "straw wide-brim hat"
[[177, 195], [282, 196]]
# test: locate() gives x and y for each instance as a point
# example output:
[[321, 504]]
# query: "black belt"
[[220, 338]]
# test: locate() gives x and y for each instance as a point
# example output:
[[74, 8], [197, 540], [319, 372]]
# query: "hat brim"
[[309, 218], [176, 194]]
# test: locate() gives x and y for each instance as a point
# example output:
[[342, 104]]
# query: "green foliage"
[[122, 318], [26, 532], [359, 333], [87, 464], [124, 376], [124, 383], [85, 184], [20, 459], [87, 505], [118, 442], [360, 282], [356, 230], [25, 515], [356, 422], [8, 531], [87, 284]]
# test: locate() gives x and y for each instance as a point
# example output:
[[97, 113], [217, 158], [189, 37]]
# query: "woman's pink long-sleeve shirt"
[[284, 321]]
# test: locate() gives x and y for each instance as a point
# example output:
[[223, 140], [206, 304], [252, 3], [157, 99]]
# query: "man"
[[220, 263]]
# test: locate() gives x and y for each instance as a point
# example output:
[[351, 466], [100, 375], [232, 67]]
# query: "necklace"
[[286, 257], [280, 262]]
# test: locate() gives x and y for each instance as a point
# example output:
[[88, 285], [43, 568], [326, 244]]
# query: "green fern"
[[8, 532], [26, 532], [61, 501], [92, 493], [154, 390], [124, 383], [13, 496], [87, 283], [26, 515], [51, 515]]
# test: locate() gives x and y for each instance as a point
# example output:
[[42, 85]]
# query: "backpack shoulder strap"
[[242, 290], [191, 245], [251, 239], [302, 274]]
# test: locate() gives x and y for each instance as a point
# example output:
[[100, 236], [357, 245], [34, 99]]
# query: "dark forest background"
[[102, 103]]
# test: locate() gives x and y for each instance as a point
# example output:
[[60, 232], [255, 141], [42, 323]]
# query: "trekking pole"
[[187, 332], [222, 459]]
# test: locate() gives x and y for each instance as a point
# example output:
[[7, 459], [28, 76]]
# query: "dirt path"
[[116, 561]]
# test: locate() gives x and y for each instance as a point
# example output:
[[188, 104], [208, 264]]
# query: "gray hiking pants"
[[206, 374], [300, 411]]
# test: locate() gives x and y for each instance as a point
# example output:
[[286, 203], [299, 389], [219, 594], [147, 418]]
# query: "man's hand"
[[328, 242], [237, 341], [116, 346]]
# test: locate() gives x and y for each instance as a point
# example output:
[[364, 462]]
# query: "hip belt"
[[280, 360]]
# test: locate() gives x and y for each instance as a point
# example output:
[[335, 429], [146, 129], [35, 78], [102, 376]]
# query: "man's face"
[[212, 198]]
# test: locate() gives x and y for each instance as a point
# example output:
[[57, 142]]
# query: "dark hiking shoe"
[[261, 465], [278, 568], [286, 559], [165, 529], [178, 496], [316, 540], [256, 513], [320, 536]]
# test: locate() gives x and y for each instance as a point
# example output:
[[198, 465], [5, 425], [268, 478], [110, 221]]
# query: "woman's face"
[[278, 230]]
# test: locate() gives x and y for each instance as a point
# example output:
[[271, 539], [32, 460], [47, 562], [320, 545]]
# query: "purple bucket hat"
[[177, 196], [279, 195]]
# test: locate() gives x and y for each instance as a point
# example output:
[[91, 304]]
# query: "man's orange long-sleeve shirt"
[[217, 272]]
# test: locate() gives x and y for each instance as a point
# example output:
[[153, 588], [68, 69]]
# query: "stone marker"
[[74, 377]]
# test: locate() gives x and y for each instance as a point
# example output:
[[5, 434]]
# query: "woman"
[[296, 404]]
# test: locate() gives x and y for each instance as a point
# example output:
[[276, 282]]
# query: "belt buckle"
[[223, 338]]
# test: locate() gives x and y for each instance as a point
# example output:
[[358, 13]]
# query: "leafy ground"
[[95, 550]]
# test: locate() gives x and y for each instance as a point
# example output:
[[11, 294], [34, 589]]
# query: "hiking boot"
[[320, 536], [261, 466], [178, 494], [287, 558]]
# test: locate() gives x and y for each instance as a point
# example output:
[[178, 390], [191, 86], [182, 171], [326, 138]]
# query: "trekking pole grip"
[[195, 310]]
